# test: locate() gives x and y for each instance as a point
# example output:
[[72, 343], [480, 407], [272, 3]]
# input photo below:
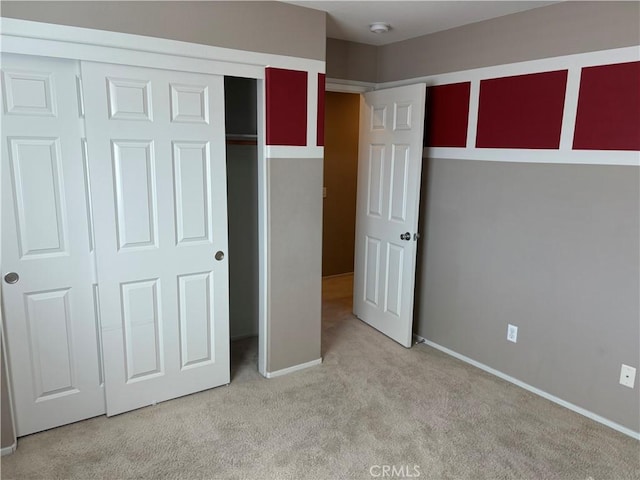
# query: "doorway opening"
[[342, 119], [241, 126], [382, 203]]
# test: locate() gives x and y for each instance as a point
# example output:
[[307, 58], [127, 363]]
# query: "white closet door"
[[49, 315], [157, 155]]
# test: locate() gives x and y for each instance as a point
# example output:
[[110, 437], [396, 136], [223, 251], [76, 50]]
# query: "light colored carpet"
[[371, 403]]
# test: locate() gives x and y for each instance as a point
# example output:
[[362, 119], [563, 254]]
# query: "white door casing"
[[49, 315], [156, 141], [389, 175]]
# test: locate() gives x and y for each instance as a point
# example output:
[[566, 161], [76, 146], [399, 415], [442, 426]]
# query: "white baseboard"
[[9, 450], [295, 368], [532, 389]]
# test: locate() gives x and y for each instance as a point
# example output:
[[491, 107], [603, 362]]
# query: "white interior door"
[[389, 172], [50, 321], [156, 142]]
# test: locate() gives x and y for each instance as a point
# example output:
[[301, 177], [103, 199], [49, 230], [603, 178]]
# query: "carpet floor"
[[373, 409]]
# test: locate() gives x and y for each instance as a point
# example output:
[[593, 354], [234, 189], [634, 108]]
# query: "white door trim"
[[348, 86], [62, 41]]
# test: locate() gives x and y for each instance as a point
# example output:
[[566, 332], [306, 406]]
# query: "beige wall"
[[342, 112], [560, 29], [268, 27], [553, 249], [351, 60], [295, 266]]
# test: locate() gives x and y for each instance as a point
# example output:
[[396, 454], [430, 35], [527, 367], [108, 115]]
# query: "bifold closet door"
[[156, 142], [48, 297]]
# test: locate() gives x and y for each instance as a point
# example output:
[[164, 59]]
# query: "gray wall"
[[295, 261], [240, 105], [561, 29], [553, 249], [351, 60], [268, 27], [242, 209]]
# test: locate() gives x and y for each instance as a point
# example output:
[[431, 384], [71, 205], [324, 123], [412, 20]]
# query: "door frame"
[[61, 41]]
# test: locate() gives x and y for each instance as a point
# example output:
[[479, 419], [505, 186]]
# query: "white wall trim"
[[275, 151], [472, 119], [312, 107], [574, 157], [570, 110], [532, 389], [348, 86], [9, 450], [295, 368], [565, 153], [564, 62]]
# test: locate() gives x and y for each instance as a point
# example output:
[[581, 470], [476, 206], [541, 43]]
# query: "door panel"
[[389, 172], [156, 145], [50, 320]]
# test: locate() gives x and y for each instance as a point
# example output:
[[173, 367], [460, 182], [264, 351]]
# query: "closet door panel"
[[49, 317], [156, 146]]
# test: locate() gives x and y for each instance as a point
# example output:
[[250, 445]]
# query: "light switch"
[[324, 192]]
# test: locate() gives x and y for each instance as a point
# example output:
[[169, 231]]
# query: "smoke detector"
[[379, 27]]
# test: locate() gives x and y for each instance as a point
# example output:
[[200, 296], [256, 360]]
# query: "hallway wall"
[[342, 112]]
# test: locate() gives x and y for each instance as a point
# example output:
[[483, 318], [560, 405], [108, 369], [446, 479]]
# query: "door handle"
[[219, 255], [11, 278], [405, 236]]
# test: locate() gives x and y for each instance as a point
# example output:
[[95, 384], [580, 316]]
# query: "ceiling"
[[350, 20]]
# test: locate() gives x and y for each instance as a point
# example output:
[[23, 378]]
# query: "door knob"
[[405, 236], [219, 255], [11, 277]]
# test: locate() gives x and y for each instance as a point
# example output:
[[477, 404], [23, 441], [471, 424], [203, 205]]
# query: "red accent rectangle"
[[321, 87], [286, 104], [608, 116], [447, 115], [524, 111]]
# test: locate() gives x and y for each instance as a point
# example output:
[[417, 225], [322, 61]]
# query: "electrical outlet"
[[627, 376], [512, 333]]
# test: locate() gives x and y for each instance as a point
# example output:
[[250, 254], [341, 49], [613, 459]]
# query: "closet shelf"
[[241, 139]]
